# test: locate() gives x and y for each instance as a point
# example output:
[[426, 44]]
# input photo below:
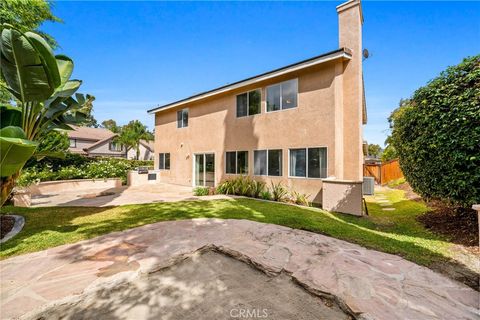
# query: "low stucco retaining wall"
[[49, 187], [343, 196]]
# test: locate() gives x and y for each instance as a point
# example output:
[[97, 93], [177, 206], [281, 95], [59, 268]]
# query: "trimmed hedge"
[[78, 167], [436, 134]]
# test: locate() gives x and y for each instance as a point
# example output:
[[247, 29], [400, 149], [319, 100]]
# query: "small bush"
[[266, 195], [257, 188], [300, 198], [243, 186], [279, 192], [226, 187], [201, 191]]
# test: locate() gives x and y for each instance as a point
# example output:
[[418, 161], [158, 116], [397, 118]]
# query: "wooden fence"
[[383, 173]]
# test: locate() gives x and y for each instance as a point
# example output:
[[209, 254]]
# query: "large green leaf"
[[68, 88], [10, 116], [65, 67], [46, 54], [28, 65], [15, 150]]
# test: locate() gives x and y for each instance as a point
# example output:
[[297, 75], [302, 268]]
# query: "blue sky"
[[135, 55]]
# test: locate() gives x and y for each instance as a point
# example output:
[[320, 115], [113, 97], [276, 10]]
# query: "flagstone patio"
[[365, 283]]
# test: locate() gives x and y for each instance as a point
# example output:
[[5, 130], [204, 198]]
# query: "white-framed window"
[[249, 103], [308, 162], [73, 143], [282, 96], [236, 162], [267, 162], [115, 146], [182, 118], [164, 161]]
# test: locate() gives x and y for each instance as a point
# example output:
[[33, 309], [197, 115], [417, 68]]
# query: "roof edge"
[[100, 142], [329, 56]]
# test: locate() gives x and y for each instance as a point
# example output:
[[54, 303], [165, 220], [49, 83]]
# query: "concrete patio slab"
[[370, 284], [157, 192]]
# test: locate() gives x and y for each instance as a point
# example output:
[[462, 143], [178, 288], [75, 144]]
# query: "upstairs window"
[[73, 143], [236, 162], [164, 161], [282, 96], [182, 118], [308, 162], [267, 162], [248, 103]]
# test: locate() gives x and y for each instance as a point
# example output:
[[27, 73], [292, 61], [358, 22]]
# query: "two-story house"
[[300, 125]]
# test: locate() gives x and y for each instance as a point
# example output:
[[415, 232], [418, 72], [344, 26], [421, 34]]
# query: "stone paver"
[[158, 192], [371, 284]]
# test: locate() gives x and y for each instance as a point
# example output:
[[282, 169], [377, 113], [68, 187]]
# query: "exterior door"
[[204, 170]]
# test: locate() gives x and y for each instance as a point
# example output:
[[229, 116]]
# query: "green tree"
[[27, 15], [54, 141], [41, 84], [111, 125], [374, 150], [389, 153], [132, 133], [436, 135]]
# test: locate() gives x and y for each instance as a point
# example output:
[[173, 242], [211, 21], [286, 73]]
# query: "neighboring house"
[[298, 125], [146, 151], [94, 142]]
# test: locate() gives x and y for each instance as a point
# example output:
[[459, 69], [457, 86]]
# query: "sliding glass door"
[[205, 170]]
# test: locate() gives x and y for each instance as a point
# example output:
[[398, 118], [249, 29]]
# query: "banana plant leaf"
[[15, 150], [10, 116], [28, 65], [65, 67]]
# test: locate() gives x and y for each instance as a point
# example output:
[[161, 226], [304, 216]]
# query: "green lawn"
[[390, 231]]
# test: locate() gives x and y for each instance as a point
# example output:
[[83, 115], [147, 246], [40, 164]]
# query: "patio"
[[148, 193], [364, 283]]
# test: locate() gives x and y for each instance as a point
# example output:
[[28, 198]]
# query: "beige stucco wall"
[[342, 196], [214, 128]]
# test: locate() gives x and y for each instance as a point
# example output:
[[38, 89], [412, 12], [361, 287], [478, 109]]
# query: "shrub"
[[243, 185], [226, 187], [266, 195], [279, 192], [300, 198], [257, 188], [240, 186], [201, 191], [76, 166], [436, 135]]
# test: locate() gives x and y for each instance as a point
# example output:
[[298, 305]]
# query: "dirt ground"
[[206, 286], [6, 225], [458, 224]]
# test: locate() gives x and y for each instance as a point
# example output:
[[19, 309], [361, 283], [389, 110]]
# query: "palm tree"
[[132, 133]]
